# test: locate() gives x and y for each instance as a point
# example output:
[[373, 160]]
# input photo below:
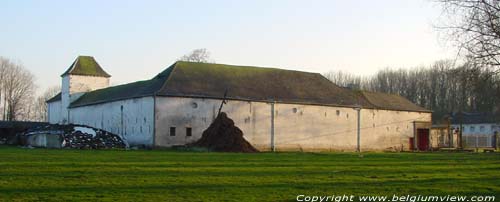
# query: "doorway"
[[423, 139]]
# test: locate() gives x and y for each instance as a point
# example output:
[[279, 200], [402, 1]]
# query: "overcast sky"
[[134, 40]]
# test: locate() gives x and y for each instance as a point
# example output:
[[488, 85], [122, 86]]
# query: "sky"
[[135, 40]]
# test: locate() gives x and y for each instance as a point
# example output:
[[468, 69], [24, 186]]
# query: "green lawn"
[[42, 174]]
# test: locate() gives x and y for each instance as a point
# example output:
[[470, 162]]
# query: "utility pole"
[[272, 126], [358, 148]]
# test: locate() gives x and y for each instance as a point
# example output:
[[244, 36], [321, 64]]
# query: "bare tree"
[[40, 103], [198, 55], [4, 62], [474, 26], [18, 88], [344, 79]]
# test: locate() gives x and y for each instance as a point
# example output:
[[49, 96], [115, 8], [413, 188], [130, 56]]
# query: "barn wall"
[[297, 127], [388, 129], [252, 118], [54, 112], [137, 117]]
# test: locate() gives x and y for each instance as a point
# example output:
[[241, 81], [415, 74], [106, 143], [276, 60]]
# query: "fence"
[[478, 140]]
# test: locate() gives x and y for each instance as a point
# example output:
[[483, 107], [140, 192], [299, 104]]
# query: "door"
[[423, 139], [412, 143]]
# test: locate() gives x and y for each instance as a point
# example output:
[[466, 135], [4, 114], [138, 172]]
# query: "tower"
[[84, 75]]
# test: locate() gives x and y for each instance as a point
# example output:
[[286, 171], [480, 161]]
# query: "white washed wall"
[[478, 137], [488, 128], [384, 129], [135, 122], [297, 127], [54, 112], [73, 86]]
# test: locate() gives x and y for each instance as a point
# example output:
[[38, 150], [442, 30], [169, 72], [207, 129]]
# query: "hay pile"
[[223, 136]]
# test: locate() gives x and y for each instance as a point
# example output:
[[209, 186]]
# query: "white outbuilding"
[[276, 109]]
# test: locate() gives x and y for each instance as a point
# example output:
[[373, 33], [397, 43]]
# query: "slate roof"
[[21, 124], [206, 80], [474, 118], [56, 97], [87, 66], [391, 101]]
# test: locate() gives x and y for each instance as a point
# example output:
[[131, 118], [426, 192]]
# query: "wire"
[[345, 131]]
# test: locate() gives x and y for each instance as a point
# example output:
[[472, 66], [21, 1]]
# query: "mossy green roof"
[[206, 80], [254, 83], [87, 66]]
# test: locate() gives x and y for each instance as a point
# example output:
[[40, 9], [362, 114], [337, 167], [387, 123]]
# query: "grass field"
[[42, 174]]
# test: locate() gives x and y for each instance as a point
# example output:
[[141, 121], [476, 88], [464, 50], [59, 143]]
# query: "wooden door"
[[423, 139]]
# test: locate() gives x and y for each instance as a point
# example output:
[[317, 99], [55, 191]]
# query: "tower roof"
[[87, 66]]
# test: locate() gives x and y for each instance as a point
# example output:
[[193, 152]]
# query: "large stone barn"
[[276, 109]]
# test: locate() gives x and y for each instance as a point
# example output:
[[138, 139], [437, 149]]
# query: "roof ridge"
[[247, 66], [174, 67]]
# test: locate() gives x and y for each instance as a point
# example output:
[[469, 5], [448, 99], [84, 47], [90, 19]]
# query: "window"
[[338, 112], [189, 132], [172, 131], [294, 110], [481, 128], [472, 128]]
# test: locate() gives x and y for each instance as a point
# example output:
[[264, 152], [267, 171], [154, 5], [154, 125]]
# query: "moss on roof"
[[391, 101], [86, 65], [205, 80], [254, 83]]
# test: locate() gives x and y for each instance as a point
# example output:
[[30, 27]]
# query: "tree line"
[[442, 87], [18, 93]]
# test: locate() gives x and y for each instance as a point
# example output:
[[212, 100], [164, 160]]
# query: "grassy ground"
[[41, 174]]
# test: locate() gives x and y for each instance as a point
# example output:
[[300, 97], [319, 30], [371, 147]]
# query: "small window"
[[472, 128], [338, 112], [172, 131], [481, 128], [189, 132], [294, 110]]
